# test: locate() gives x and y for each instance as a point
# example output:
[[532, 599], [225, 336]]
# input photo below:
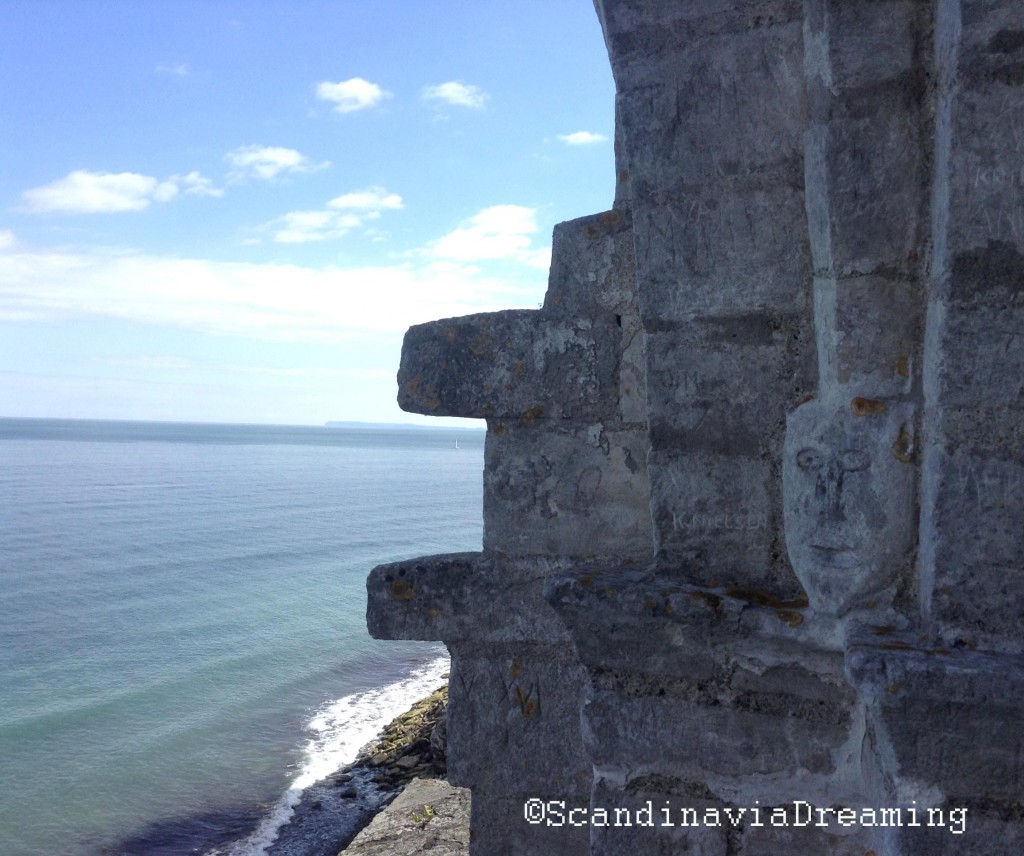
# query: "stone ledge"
[[429, 815]]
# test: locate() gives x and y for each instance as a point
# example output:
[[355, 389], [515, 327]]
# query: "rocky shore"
[[334, 810]]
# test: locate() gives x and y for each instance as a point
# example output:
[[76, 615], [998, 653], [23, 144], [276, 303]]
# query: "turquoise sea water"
[[182, 634]]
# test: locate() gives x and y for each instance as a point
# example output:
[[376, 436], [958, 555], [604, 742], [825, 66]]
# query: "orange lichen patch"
[[903, 447], [756, 597], [803, 401], [434, 612], [623, 175], [884, 629], [610, 219], [592, 231], [866, 406], [529, 419], [650, 604], [519, 369], [400, 590], [670, 609], [898, 646], [790, 617], [530, 709], [903, 367], [893, 689], [423, 394], [517, 668], [586, 581]]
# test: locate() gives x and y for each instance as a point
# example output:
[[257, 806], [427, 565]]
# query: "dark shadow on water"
[[328, 817], [185, 836]]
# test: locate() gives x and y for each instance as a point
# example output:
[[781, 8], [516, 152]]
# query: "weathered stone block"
[[977, 547], [719, 252], [459, 596], [592, 266], [877, 334], [723, 383], [511, 364], [872, 176], [982, 358], [737, 735], [513, 720], [947, 717], [868, 42], [570, 490], [717, 519]]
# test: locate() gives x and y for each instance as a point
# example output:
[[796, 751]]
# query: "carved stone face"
[[848, 497]]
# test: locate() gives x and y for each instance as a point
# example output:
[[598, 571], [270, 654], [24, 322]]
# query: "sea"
[[183, 647]]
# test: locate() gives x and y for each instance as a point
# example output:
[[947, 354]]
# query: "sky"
[[216, 211]]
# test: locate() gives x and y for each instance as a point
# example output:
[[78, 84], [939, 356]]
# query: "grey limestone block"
[[876, 335], [946, 718], [718, 520], [723, 252], [986, 126], [592, 266], [462, 596], [976, 587], [785, 725], [871, 178], [864, 43], [513, 720], [511, 364], [567, 489], [865, 141]]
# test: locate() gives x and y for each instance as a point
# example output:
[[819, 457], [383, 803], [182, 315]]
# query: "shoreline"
[[332, 811]]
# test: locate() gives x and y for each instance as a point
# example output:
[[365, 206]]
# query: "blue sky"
[[231, 211]]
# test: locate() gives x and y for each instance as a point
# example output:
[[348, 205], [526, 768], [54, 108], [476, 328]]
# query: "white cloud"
[[458, 94], [84, 192], [343, 214], [351, 95], [179, 70], [278, 302], [194, 184], [501, 232], [582, 138], [303, 227], [90, 192], [268, 162], [6, 239], [372, 199]]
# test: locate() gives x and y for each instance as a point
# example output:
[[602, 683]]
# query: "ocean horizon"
[[182, 619]]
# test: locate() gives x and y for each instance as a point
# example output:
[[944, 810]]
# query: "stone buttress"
[[565, 481]]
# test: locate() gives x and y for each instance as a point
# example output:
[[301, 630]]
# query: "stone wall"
[[754, 481]]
